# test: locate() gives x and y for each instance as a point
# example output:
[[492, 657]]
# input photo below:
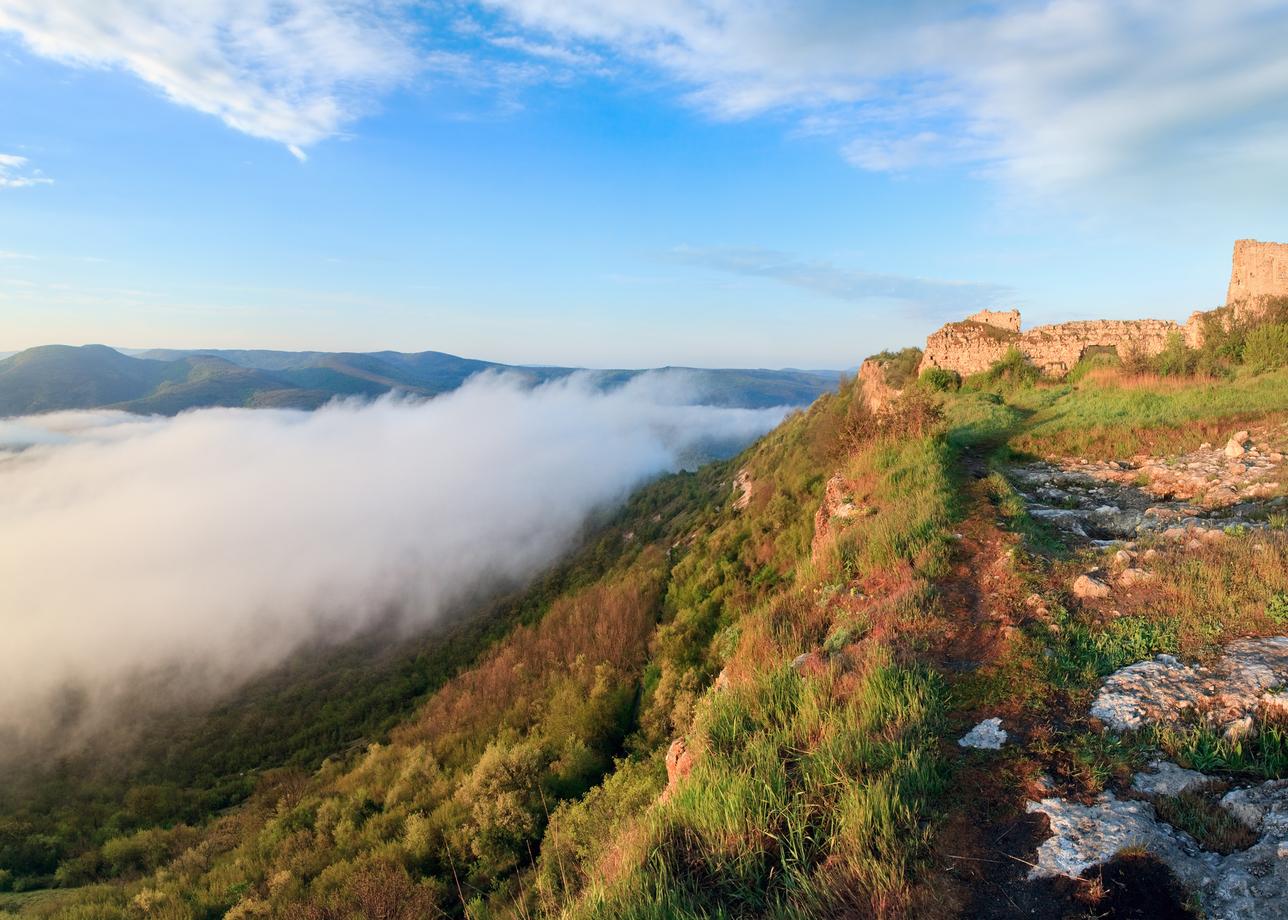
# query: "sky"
[[610, 183]]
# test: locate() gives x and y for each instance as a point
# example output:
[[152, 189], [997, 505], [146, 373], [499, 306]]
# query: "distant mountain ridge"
[[50, 378]]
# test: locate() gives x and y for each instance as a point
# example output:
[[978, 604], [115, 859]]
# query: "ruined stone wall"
[[1259, 273], [970, 347], [1008, 320], [1259, 270]]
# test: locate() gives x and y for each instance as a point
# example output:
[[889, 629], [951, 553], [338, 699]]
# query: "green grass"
[[1214, 827], [1106, 419]]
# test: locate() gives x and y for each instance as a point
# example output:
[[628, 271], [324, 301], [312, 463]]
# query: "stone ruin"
[[1259, 273]]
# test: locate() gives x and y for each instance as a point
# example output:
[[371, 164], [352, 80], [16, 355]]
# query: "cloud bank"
[[201, 550]]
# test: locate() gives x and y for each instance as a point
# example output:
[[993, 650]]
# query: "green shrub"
[[1176, 359], [940, 379], [1266, 347], [1011, 371]]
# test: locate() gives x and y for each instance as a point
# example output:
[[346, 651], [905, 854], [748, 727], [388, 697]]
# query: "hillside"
[[743, 696], [989, 644], [166, 382]]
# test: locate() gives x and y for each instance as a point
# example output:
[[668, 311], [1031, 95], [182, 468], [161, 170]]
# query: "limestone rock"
[[988, 735], [1165, 691], [1090, 587], [1166, 778]]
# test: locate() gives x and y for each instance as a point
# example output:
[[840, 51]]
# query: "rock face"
[[876, 390], [1259, 270], [1227, 694]]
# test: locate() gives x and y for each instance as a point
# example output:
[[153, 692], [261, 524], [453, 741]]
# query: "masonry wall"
[[1258, 270], [970, 347]]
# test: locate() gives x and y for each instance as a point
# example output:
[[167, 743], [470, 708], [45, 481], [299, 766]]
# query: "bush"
[[1011, 371], [1266, 347], [940, 379], [1176, 359]]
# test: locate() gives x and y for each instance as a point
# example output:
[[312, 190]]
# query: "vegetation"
[[714, 708]]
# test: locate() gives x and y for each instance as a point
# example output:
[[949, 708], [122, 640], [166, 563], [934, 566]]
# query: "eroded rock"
[[1090, 587], [1165, 691], [1166, 778], [987, 735]]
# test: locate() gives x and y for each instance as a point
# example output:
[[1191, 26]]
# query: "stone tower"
[[1260, 270]]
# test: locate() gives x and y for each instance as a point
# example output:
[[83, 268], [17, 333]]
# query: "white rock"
[[1166, 778], [988, 735]]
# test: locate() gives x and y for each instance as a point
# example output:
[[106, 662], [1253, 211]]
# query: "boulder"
[[1090, 587]]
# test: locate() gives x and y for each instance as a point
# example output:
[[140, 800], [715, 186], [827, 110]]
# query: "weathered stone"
[[1245, 885], [1131, 578], [679, 764], [1166, 778], [1165, 691], [1090, 587], [1234, 449], [988, 735]]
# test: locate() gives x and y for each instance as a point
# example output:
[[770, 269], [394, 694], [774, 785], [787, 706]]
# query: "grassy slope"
[[531, 784]]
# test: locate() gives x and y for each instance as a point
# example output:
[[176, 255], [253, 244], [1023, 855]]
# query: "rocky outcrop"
[[1227, 695], [874, 385], [679, 764], [1244, 885]]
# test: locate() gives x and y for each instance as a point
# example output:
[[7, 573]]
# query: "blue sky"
[[613, 183]]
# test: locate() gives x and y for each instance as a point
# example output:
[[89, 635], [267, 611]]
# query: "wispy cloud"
[[934, 298], [292, 71], [17, 172], [1052, 94]]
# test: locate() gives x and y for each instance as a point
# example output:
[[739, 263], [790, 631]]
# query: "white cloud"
[[147, 548], [1048, 94], [291, 71], [16, 172], [934, 298]]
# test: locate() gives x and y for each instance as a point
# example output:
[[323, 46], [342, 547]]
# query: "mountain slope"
[[166, 382], [743, 696]]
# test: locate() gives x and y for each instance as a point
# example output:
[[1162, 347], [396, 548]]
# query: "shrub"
[[1011, 371], [1266, 347], [1176, 359], [940, 379]]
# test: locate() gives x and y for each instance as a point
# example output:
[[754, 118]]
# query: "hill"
[[55, 377], [1008, 645]]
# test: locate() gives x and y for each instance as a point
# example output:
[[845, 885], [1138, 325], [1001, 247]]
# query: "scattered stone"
[[1124, 558], [1165, 691], [1234, 449], [1166, 778], [1090, 587], [988, 735], [1131, 578]]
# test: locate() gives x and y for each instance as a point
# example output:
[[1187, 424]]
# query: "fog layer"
[[211, 545]]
